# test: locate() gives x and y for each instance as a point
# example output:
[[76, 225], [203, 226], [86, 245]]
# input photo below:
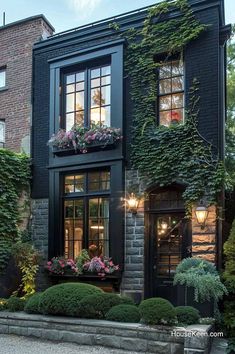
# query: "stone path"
[[11, 344]]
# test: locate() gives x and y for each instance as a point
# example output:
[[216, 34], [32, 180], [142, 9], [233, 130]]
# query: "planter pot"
[[110, 283], [206, 308], [9, 280], [95, 146]]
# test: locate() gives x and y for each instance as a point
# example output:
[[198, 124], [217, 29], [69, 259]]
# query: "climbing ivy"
[[178, 153], [14, 179]]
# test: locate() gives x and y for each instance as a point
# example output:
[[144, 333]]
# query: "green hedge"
[[15, 304], [187, 315], [96, 306], [157, 311], [63, 299], [32, 305], [123, 313], [3, 304]]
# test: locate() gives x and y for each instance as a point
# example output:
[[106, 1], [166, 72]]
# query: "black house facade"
[[83, 198]]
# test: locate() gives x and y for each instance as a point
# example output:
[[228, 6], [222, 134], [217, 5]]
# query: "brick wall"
[[16, 42]]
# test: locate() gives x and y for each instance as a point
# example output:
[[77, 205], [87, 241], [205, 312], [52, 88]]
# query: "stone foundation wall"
[[39, 228], [133, 277], [127, 336]]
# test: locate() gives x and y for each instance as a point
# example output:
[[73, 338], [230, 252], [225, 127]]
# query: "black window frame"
[[86, 67], [86, 195], [164, 59]]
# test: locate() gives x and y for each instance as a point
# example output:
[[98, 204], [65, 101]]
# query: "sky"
[[67, 14]]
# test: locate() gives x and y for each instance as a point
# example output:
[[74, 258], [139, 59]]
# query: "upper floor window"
[[2, 77], [171, 92], [88, 97], [2, 133]]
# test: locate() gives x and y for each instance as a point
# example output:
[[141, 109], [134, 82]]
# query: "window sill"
[[96, 146], [2, 89]]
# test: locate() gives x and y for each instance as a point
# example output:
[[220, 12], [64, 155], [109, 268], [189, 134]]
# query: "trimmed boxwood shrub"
[[96, 306], [187, 315], [123, 313], [32, 305], [63, 299], [15, 304], [157, 311], [3, 304]]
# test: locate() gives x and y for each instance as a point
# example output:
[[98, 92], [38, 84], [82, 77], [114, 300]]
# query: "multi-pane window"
[[171, 92], [2, 133], [2, 77], [86, 212], [88, 97], [75, 99]]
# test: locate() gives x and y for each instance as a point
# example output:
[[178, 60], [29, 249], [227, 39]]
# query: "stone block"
[[158, 347], [34, 332], [3, 328], [203, 248], [134, 344], [20, 331], [207, 238], [107, 341], [79, 338]]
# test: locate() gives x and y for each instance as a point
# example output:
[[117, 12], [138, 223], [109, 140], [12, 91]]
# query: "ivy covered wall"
[[14, 189]]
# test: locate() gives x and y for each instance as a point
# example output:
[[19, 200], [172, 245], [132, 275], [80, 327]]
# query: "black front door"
[[170, 244]]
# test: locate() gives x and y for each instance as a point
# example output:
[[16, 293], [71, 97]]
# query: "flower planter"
[[109, 283], [95, 146]]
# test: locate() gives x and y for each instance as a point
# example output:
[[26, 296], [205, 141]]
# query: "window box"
[[110, 283], [95, 146]]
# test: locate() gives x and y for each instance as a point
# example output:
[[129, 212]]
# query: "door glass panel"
[[168, 243]]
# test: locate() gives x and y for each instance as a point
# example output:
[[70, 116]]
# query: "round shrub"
[[157, 311], [3, 304], [15, 304], [187, 315], [63, 299], [96, 306], [32, 305], [123, 313]]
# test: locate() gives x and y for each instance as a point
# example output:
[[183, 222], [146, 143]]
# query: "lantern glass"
[[132, 203], [201, 214]]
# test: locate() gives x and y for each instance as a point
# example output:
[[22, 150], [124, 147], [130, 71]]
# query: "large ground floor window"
[[86, 212]]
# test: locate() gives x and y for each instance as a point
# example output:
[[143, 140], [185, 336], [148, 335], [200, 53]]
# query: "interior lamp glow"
[[98, 115], [201, 215]]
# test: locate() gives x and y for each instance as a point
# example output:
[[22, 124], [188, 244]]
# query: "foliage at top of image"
[[178, 153]]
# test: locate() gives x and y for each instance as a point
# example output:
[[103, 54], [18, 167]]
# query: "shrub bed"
[[15, 304], [32, 305], [157, 311], [123, 313], [63, 299], [187, 315], [3, 304], [97, 305]]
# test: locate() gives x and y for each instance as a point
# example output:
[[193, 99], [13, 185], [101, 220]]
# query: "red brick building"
[[16, 42]]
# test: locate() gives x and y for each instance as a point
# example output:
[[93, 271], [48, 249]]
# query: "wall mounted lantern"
[[132, 203], [201, 215]]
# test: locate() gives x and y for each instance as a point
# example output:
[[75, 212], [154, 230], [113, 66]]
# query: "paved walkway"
[[10, 344]]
